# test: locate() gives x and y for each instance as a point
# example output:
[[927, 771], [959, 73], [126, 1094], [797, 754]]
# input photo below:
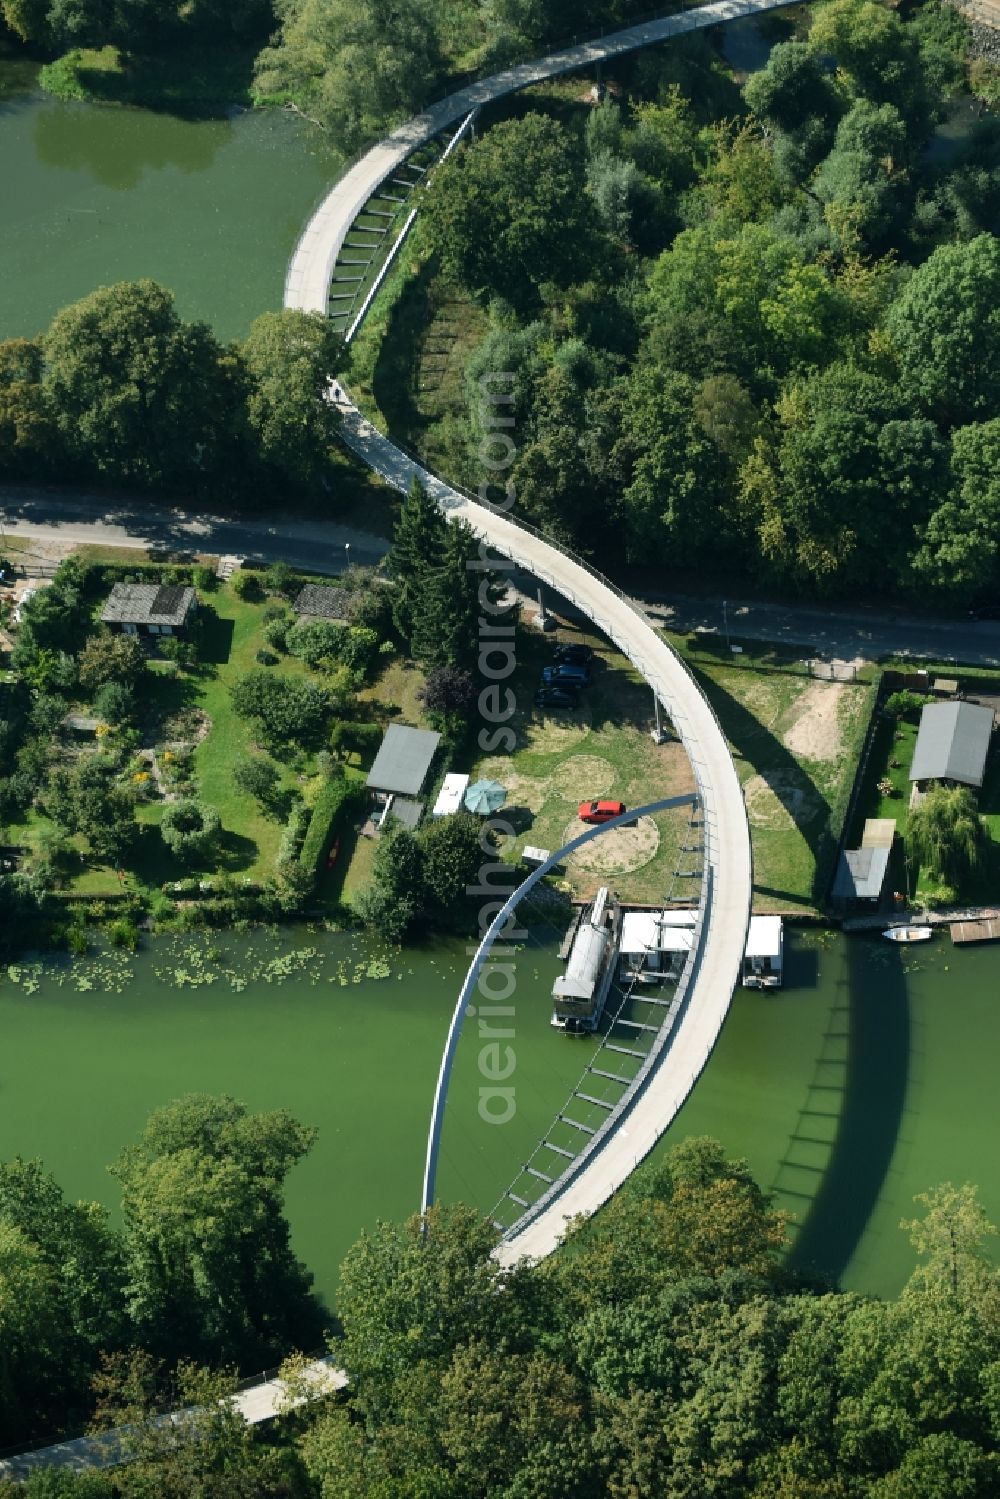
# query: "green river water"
[[869, 1078], [92, 195]]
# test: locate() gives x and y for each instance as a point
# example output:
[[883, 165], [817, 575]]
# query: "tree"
[[945, 329], [114, 703], [393, 898], [209, 1269], [946, 834], [139, 396], [287, 710], [791, 89], [317, 642], [82, 1251], [862, 179], [412, 1293], [259, 777], [90, 800], [416, 548], [962, 539], [448, 690], [879, 56], [289, 357], [951, 1238], [28, 441], [111, 658], [354, 64], [453, 852], [190, 830], [213, 1453], [445, 609], [507, 214], [35, 1363]]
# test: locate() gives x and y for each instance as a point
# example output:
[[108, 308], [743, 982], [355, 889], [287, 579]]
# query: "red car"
[[601, 811]]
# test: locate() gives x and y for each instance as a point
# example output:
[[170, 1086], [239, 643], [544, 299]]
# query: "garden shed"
[[953, 743], [403, 762], [149, 608], [861, 879]]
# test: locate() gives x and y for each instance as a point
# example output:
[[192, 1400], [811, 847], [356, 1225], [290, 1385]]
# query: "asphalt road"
[[50, 515], [843, 632]]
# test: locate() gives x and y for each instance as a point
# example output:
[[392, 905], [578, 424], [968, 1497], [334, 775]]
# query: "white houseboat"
[[763, 960], [580, 994], [654, 945]]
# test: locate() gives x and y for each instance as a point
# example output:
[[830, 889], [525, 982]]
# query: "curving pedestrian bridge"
[[726, 890], [712, 971]]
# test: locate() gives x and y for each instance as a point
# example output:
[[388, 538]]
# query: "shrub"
[[266, 658], [204, 578], [114, 703], [316, 641], [190, 829], [336, 801], [355, 738], [281, 578], [276, 633], [123, 933], [904, 703], [294, 834], [246, 586]]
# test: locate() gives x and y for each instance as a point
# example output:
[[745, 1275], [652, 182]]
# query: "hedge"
[[337, 800]]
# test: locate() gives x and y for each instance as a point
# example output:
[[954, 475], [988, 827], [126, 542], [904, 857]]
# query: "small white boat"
[[909, 934]]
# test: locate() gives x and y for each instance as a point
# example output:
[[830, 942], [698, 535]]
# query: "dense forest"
[[756, 332], [665, 1350]]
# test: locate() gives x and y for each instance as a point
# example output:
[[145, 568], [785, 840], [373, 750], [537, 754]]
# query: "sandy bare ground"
[[817, 732], [617, 852]]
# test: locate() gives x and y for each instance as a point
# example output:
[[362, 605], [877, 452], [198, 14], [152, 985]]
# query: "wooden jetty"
[[986, 929]]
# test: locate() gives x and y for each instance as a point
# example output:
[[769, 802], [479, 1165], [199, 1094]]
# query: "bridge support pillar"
[[658, 733], [543, 621]]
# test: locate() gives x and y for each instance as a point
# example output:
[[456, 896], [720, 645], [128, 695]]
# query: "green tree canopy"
[[945, 328], [506, 215], [946, 834], [209, 1269], [289, 357], [139, 396]]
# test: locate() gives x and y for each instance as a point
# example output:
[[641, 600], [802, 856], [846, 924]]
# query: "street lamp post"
[[347, 554], [725, 624]]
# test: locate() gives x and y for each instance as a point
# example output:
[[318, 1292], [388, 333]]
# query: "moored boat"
[[909, 934]]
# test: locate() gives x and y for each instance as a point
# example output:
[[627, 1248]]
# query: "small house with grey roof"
[[149, 608], [320, 601], [400, 772], [953, 744]]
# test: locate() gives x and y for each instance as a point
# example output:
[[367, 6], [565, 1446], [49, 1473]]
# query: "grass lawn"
[[602, 748], [796, 742]]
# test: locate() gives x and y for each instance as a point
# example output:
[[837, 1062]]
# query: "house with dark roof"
[[319, 601], [953, 743], [149, 608], [400, 773], [861, 879]]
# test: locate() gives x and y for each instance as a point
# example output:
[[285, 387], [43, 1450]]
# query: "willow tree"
[[947, 835]]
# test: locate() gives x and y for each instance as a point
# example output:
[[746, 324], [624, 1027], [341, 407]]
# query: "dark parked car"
[[985, 611], [556, 697], [559, 676], [573, 655]]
